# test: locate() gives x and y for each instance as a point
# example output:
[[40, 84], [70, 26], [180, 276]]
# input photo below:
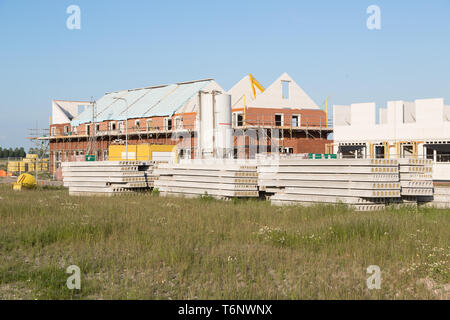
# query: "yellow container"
[[164, 148], [31, 156], [119, 152], [141, 152]]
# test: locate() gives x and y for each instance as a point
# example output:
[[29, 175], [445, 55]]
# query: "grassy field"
[[144, 247]]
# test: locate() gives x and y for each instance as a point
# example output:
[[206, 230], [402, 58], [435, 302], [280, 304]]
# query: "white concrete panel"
[[341, 115], [362, 114], [395, 113], [429, 124], [430, 111], [409, 112], [383, 115], [446, 113], [441, 171]]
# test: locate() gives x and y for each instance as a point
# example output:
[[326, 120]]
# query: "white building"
[[403, 129]]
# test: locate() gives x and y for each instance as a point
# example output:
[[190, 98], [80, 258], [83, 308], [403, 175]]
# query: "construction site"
[[178, 123], [216, 158], [194, 138]]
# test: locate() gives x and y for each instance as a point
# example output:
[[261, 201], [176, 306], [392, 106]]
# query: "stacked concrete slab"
[[440, 198], [215, 178], [363, 184], [107, 177], [416, 178]]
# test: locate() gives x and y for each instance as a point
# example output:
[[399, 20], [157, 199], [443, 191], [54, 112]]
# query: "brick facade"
[[304, 136]]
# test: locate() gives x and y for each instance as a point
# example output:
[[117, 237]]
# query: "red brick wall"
[[308, 117], [59, 128]]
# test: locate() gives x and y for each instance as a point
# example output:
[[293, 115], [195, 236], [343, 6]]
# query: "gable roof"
[[242, 92], [164, 100], [63, 111], [272, 97]]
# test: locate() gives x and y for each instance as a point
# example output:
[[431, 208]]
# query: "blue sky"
[[324, 45]]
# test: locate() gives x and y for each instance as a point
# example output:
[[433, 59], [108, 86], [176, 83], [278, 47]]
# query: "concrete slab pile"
[[215, 178], [440, 198], [416, 178], [107, 178], [362, 184]]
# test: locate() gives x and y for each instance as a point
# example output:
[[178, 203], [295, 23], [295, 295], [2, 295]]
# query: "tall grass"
[[151, 247]]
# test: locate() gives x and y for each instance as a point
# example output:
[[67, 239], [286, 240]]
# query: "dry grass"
[[148, 247]]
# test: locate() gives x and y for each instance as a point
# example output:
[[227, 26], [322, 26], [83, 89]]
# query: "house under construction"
[[418, 129], [196, 119]]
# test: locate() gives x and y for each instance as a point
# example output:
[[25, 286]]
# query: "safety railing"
[[122, 131], [300, 123]]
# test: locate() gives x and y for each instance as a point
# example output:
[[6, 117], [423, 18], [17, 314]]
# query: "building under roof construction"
[[199, 117], [419, 129]]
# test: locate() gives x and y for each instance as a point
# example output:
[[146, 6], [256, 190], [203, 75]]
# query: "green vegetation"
[[149, 247], [12, 153]]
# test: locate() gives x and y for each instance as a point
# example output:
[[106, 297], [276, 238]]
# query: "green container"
[[315, 156], [322, 156], [90, 158]]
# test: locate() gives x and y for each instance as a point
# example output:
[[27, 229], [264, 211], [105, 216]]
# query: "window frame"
[[282, 119], [298, 120]]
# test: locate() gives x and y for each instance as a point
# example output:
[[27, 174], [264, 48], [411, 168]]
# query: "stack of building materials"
[[416, 178], [215, 178], [440, 198], [28, 164], [107, 177], [362, 184]]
